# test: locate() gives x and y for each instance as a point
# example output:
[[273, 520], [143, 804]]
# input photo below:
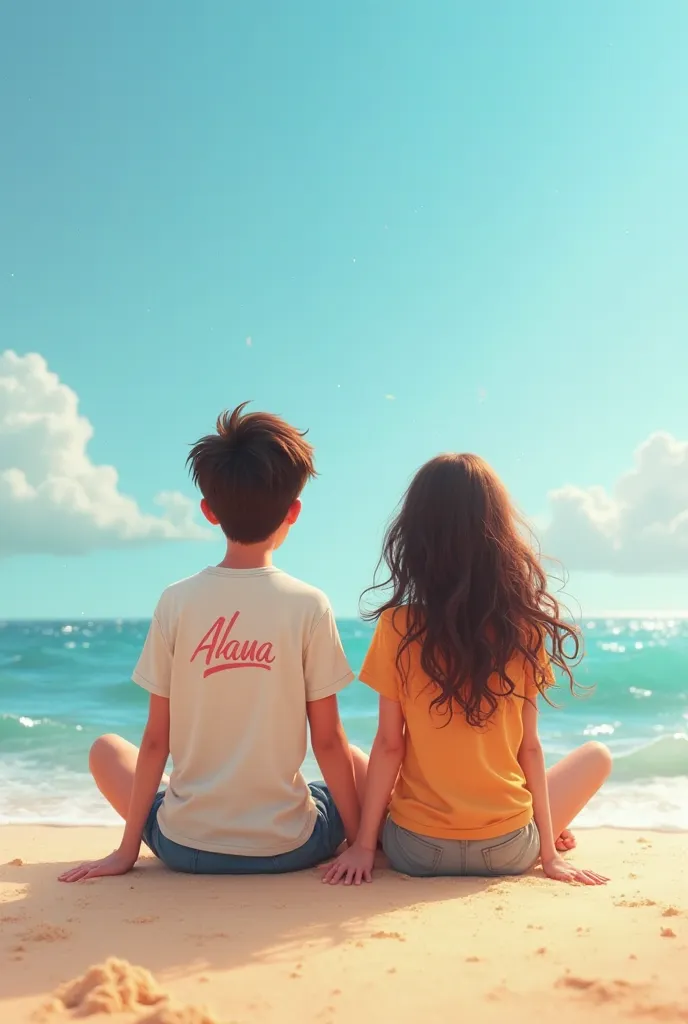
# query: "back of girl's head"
[[474, 592]]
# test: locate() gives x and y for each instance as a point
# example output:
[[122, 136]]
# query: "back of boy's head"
[[250, 472]]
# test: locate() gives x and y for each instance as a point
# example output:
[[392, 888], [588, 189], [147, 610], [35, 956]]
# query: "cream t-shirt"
[[240, 653]]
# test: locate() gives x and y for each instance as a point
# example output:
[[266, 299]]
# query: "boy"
[[237, 659]]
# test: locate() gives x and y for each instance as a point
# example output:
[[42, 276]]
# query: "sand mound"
[[113, 987], [119, 987], [184, 1015]]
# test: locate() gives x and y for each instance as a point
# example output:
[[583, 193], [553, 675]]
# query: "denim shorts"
[[423, 857], [326, 838]]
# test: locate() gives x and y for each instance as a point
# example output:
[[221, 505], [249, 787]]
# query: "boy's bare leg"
[[113, 764], [572, 783]]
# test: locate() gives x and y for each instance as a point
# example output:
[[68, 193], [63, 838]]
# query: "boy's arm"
[[150, 766], [333, 754]]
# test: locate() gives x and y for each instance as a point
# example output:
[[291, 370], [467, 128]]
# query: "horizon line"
[[656, 613]]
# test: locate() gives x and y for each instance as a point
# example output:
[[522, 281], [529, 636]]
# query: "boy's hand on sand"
[[353, 866], [558, 869], [116, 863]]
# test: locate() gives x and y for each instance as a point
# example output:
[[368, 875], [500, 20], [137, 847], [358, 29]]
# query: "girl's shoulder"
[[394, 619]]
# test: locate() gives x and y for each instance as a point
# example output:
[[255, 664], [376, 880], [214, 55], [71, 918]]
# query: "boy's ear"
[[208, 513], [294, 512]]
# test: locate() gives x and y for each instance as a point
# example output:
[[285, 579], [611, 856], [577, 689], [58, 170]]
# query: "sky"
[[408, 227]]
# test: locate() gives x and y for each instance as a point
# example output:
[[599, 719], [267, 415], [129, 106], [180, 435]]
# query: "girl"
[[462, 649]]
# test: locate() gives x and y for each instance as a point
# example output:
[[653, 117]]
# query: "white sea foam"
[[70, 798], [29, 796], [658, 804]]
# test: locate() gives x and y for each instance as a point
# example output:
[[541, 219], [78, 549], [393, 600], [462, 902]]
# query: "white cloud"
[[53, 499], [641, 526]]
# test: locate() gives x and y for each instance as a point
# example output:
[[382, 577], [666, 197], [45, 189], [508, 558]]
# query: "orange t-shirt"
[[456, 781]]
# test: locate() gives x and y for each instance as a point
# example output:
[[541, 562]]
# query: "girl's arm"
[[385, 762], [532, 760], [356, 864]]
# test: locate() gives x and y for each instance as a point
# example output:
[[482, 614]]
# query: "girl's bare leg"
[[566, 841], [572, 783], [113, 764]]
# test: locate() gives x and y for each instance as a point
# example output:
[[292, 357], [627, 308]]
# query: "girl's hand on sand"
[[560, 871], [116, 864], [352, 867]]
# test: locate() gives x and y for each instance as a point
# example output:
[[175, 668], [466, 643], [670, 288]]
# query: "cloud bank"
[[53, 499], [640, 527]]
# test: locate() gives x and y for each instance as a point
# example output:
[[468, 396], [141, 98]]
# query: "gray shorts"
[[423, 857]]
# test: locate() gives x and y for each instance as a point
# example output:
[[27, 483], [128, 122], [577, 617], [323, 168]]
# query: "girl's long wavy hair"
[[474, 593]]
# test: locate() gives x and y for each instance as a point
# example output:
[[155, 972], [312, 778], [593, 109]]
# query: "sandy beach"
[[291, 950]]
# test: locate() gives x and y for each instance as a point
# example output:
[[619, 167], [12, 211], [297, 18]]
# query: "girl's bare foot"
[[566, 841]]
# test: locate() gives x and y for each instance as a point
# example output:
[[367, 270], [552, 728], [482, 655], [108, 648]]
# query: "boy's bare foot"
[[566, 841]]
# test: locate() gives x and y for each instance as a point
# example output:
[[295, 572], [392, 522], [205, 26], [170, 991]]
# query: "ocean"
[[64, 683]]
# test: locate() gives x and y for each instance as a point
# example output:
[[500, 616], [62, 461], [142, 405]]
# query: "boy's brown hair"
[[251, 472]]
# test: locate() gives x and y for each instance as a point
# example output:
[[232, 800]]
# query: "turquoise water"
[[64, 683]]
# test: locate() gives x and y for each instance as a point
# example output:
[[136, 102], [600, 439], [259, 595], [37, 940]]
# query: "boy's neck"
[[247, 556]]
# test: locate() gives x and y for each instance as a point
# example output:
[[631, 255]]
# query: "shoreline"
[[101, 825], [288, 950]]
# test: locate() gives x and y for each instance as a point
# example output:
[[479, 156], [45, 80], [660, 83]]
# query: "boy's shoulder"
[[296, 589], [176, 596], [183, 588], [287, 588]]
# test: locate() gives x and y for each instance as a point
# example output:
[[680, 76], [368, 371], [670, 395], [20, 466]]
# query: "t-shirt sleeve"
[[325, 667], [153, 670], [379, 670]]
